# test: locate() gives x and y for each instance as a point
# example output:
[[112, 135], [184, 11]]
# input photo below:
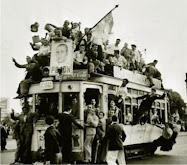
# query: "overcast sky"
[[159, 26]]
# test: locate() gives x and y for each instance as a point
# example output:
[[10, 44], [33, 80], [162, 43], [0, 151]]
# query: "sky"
[[159, 26]]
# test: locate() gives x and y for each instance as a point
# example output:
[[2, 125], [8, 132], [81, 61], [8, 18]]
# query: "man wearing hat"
[[146, 104], [26, 120], [135, 58]]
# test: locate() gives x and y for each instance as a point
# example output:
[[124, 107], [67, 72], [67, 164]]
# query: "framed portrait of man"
[[61, 57]]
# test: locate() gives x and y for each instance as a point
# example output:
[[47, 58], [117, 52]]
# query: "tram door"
[[72, 100]]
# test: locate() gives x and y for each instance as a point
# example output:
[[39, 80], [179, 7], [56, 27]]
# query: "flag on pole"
[[103, 29]]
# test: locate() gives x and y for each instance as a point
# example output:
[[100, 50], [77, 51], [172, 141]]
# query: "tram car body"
[[59, 94]]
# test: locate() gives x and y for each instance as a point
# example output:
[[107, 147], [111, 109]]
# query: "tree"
[[8, 120], [176, 102]]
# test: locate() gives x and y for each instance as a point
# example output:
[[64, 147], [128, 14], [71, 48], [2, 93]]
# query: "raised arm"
[[55, 26], [18, 65], [161, 97], [142, 97], [13, 117]]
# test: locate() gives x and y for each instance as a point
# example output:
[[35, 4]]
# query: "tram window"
[[92, 94], [134, 111], [129, 90], [162, 105], [141, 93], [134, 101], [134, 91], [163, 116], [157, 104], [128, 100], [47, 104], [112, 87], [71, 99]]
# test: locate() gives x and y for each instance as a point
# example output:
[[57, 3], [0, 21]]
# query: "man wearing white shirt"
[[80, 60], [121, 61], [136, 57], [112, 48]]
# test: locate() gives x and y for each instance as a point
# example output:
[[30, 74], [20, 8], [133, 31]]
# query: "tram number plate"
[[46, 85]]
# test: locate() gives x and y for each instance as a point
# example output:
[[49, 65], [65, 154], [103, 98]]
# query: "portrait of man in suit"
[[61, 53]]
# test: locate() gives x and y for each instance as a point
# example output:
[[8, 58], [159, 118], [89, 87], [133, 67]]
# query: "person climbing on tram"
[[33, 75], [151, 72], [26, 120], [163, 140], [146, 104]]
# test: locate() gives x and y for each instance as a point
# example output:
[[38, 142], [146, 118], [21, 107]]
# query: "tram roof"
[[136, 80]]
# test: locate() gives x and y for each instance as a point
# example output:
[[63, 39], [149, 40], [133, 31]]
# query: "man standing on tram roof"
[[146, 103]]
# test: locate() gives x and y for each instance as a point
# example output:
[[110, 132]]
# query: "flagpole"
[[99, 22], [104, 17]]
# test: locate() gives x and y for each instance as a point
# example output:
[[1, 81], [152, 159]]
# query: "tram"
[[54, 94]]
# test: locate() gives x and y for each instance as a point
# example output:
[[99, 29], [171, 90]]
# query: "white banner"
[[61, 56], [134, 77]]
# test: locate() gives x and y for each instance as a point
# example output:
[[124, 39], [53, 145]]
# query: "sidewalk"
[[7, 156]]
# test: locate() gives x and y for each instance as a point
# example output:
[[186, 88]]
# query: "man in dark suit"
[[4, 136], [116, 137], [26, 120], [146, 104], [52, 142], [65, 129]]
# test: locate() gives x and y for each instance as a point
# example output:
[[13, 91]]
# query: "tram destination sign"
[[46, 85]]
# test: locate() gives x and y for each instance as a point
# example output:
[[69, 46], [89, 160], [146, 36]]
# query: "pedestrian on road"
[[52, 142], [3, 137], [116, 136], [65, 129]]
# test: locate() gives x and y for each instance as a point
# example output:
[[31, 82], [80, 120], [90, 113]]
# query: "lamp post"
[[60, 92]]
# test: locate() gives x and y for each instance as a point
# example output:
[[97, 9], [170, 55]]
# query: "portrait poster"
[[61, 57]]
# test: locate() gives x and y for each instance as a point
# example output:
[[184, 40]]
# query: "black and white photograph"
[[93, 82]]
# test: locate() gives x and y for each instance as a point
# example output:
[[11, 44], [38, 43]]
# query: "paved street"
[[177, 156], [7, 156]]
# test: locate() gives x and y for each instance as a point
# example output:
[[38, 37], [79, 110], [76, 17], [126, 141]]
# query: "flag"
[[103, 29]]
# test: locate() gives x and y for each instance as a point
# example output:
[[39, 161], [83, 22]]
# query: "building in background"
[[4, 107]]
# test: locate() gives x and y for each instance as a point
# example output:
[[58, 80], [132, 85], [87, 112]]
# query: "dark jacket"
[[116, 137], [65, 129], [26, 126], [52, 142], [65, 126], [148, 100]]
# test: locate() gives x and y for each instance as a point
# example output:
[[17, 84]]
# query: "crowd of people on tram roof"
[[89, 53]]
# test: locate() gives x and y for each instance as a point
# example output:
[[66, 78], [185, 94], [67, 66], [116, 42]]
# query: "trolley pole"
[[60, 92], [186, 83]]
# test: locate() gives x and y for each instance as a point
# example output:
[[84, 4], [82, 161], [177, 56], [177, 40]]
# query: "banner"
[[61, 57]]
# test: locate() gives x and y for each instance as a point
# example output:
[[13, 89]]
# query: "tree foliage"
[[176, 102]]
